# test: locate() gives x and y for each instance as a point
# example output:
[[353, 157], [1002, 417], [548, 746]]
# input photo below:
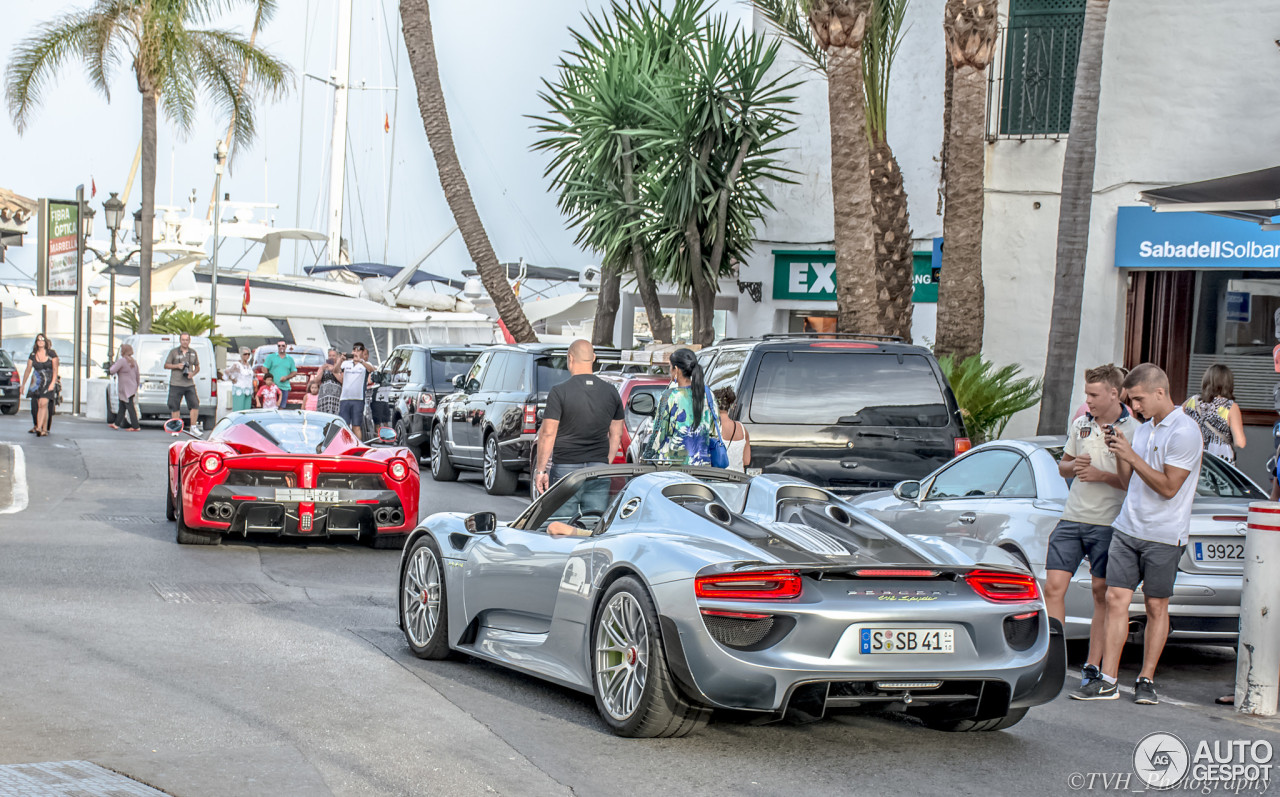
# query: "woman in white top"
[[240, 374], [735, 434]]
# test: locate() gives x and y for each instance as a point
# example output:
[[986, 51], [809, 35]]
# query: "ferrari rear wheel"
[[633, 688], [442, 469], [423, 604], [497, 479], [977, 726], [189, 536], [169, 512]]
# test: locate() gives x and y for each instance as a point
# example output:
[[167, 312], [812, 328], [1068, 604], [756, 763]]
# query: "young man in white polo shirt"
[[1161, 469], [1092, 504]]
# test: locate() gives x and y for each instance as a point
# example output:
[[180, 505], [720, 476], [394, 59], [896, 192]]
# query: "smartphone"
[[1109, 430]]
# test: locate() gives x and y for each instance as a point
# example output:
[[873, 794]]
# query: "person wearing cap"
[[240, 374]]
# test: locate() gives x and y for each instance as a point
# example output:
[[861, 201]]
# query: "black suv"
[[9, 384], [849, 413], [415, 379], [491, 422]]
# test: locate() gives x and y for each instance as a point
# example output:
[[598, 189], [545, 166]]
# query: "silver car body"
[[1008, 493], [524, 599]]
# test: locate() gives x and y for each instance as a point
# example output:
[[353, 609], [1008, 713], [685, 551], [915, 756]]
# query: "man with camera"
[[183, 364]]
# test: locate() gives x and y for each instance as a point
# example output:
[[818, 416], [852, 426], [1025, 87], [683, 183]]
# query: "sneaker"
[[1096, 690], [1089, 672], [197, 429], [1144, 692]]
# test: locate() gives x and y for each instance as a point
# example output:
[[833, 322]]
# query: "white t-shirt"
[[241, 375], [354, 378], [1146, 515]]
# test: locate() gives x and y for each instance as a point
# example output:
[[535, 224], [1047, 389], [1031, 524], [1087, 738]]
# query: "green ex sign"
[[810, 275]]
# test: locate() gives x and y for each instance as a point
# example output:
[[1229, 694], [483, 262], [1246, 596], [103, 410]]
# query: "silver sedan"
[[1009, 493]]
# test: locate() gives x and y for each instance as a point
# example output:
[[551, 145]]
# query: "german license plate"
[[1217, 550], [908, 640], [302, 495]]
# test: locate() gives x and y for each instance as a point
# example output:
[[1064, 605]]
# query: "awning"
[[384, 270], [1252, 196], [531, 272]]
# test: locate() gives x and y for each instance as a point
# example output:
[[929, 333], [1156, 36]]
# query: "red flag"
[[244, 302], [506, 336], [386, 123], [93, 187]]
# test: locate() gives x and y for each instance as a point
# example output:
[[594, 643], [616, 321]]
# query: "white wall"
[[1171, 110]]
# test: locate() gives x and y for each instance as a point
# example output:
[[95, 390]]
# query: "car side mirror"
[[458, 381], [481, 523], [907, 491], [400, 379], [386, 434], [642, 404]]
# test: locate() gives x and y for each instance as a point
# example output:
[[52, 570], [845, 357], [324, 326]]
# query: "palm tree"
[[420, 45], [1073, 224], [893, 256], [838, 28], [172, 60], [971, 29]]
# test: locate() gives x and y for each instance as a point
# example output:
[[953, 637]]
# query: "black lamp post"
[[113, 209]]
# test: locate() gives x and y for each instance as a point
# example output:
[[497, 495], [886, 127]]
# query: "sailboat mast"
[[338, 153]]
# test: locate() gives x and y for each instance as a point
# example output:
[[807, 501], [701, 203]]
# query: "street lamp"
[[220, 158], [113, 211]]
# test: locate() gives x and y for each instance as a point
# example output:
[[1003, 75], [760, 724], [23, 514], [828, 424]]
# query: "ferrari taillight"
[[760, 585], [211, 463], [530, 419], [426, 403], [1001, 587], [398, 469]]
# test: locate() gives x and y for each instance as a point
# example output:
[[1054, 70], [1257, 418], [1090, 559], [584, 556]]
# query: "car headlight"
[[211, 463]]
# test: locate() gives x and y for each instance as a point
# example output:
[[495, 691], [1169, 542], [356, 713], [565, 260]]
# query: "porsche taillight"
[[530, 419], [426, 403], [1000, 587], [759, 585]]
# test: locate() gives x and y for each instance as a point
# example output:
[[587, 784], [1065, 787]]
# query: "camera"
[[186, 372]]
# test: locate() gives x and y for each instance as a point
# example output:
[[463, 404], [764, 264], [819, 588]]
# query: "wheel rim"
[[490, 463], [622, 656], [436, 442], [422, 591]]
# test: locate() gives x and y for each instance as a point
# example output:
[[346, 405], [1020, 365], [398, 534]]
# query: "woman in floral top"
[[1219, 416], [686, 421]]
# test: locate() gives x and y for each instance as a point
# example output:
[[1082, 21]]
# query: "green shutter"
[[1042, 45]]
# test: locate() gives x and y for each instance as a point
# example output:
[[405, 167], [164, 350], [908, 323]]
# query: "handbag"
[[719, 452]]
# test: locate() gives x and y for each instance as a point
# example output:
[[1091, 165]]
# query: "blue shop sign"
[[1149, 240]]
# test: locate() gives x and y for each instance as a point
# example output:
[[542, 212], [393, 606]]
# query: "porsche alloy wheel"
[[634, 691], [423, 603], [497, 479], [442, 469]]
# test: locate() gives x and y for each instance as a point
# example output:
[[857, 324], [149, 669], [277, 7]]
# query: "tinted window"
[[495, 373], [1021, 482], [477, 371], [724, 373], [1219, 480], [980, 474], [824, 388], [550, 371], [445, 366], [514, 376], [5, 362]]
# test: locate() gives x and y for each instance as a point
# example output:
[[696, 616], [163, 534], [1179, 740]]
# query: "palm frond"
[[36, 60], [989, 396], [790, 19]]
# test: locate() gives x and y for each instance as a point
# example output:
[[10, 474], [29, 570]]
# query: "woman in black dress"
[[41, 389], [330, 378]]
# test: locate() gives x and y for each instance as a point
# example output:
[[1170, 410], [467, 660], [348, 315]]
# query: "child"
[[313, 396], [269, 396]]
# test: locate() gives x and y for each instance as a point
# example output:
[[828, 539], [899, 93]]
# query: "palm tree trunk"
[[419, 43], [149, 100], [659, 325], [607, 301], [851, 194], [894, 260], [1073, 225]]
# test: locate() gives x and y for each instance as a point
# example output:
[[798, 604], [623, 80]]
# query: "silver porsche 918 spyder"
[[696, 589]]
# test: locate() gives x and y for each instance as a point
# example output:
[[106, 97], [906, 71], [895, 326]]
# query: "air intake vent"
[[738, 632], [1022, 630]]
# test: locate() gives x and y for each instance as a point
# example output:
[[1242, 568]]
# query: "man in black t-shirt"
[[581, 426]]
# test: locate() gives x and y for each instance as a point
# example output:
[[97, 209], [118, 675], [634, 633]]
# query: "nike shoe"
[[1097, 690], [1144, 692], [1089, 672], [197, 429]]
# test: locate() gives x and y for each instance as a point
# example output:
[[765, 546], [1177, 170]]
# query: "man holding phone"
[[1160, 470], [355, 373]]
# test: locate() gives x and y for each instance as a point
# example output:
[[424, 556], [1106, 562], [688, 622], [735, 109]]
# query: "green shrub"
[[988, 396]]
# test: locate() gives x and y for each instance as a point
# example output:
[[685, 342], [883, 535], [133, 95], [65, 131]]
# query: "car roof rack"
[[784, 335]]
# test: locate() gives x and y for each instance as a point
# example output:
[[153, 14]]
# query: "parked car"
[[415, 378], [847, 413], [628, 386], [307, 359], [10, 381], [290, 473], [1009, 493], [698, 589], [491, 421]]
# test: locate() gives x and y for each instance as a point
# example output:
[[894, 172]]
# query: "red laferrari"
[[290, 473]]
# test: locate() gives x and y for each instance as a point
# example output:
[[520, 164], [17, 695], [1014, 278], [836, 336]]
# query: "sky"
[[493, 57]]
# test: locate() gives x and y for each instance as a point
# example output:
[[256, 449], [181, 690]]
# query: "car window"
[[5, 362], [513, 375], [724, 371], [477, 371], [857, 388], [980, 474], [1220, 480], [1021, 482], [550, 371], [493, 373], [446, 365], [294, 435], [631, 419], [592, 499]]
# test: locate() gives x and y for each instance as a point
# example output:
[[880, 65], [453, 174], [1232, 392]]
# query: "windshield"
[[827, 388], [298, 434], [151, 354]]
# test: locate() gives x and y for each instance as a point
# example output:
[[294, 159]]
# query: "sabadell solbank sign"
[[1149, 240]]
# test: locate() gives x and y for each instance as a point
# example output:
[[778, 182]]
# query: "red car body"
[[291, 473], [307, 359], [626, 389]]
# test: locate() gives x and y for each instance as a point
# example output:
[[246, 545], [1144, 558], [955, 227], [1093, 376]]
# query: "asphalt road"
[[297, 681]]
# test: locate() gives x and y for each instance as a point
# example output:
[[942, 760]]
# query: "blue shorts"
[[351, 411]]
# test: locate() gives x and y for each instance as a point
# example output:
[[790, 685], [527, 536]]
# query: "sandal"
[[113, 426], [1226, 700]]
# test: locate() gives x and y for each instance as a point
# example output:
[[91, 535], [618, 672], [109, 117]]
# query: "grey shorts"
[[179, 392], [1071, 543], [1132, 561]]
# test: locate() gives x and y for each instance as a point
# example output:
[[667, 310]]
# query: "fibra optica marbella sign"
[[1149, 240]]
